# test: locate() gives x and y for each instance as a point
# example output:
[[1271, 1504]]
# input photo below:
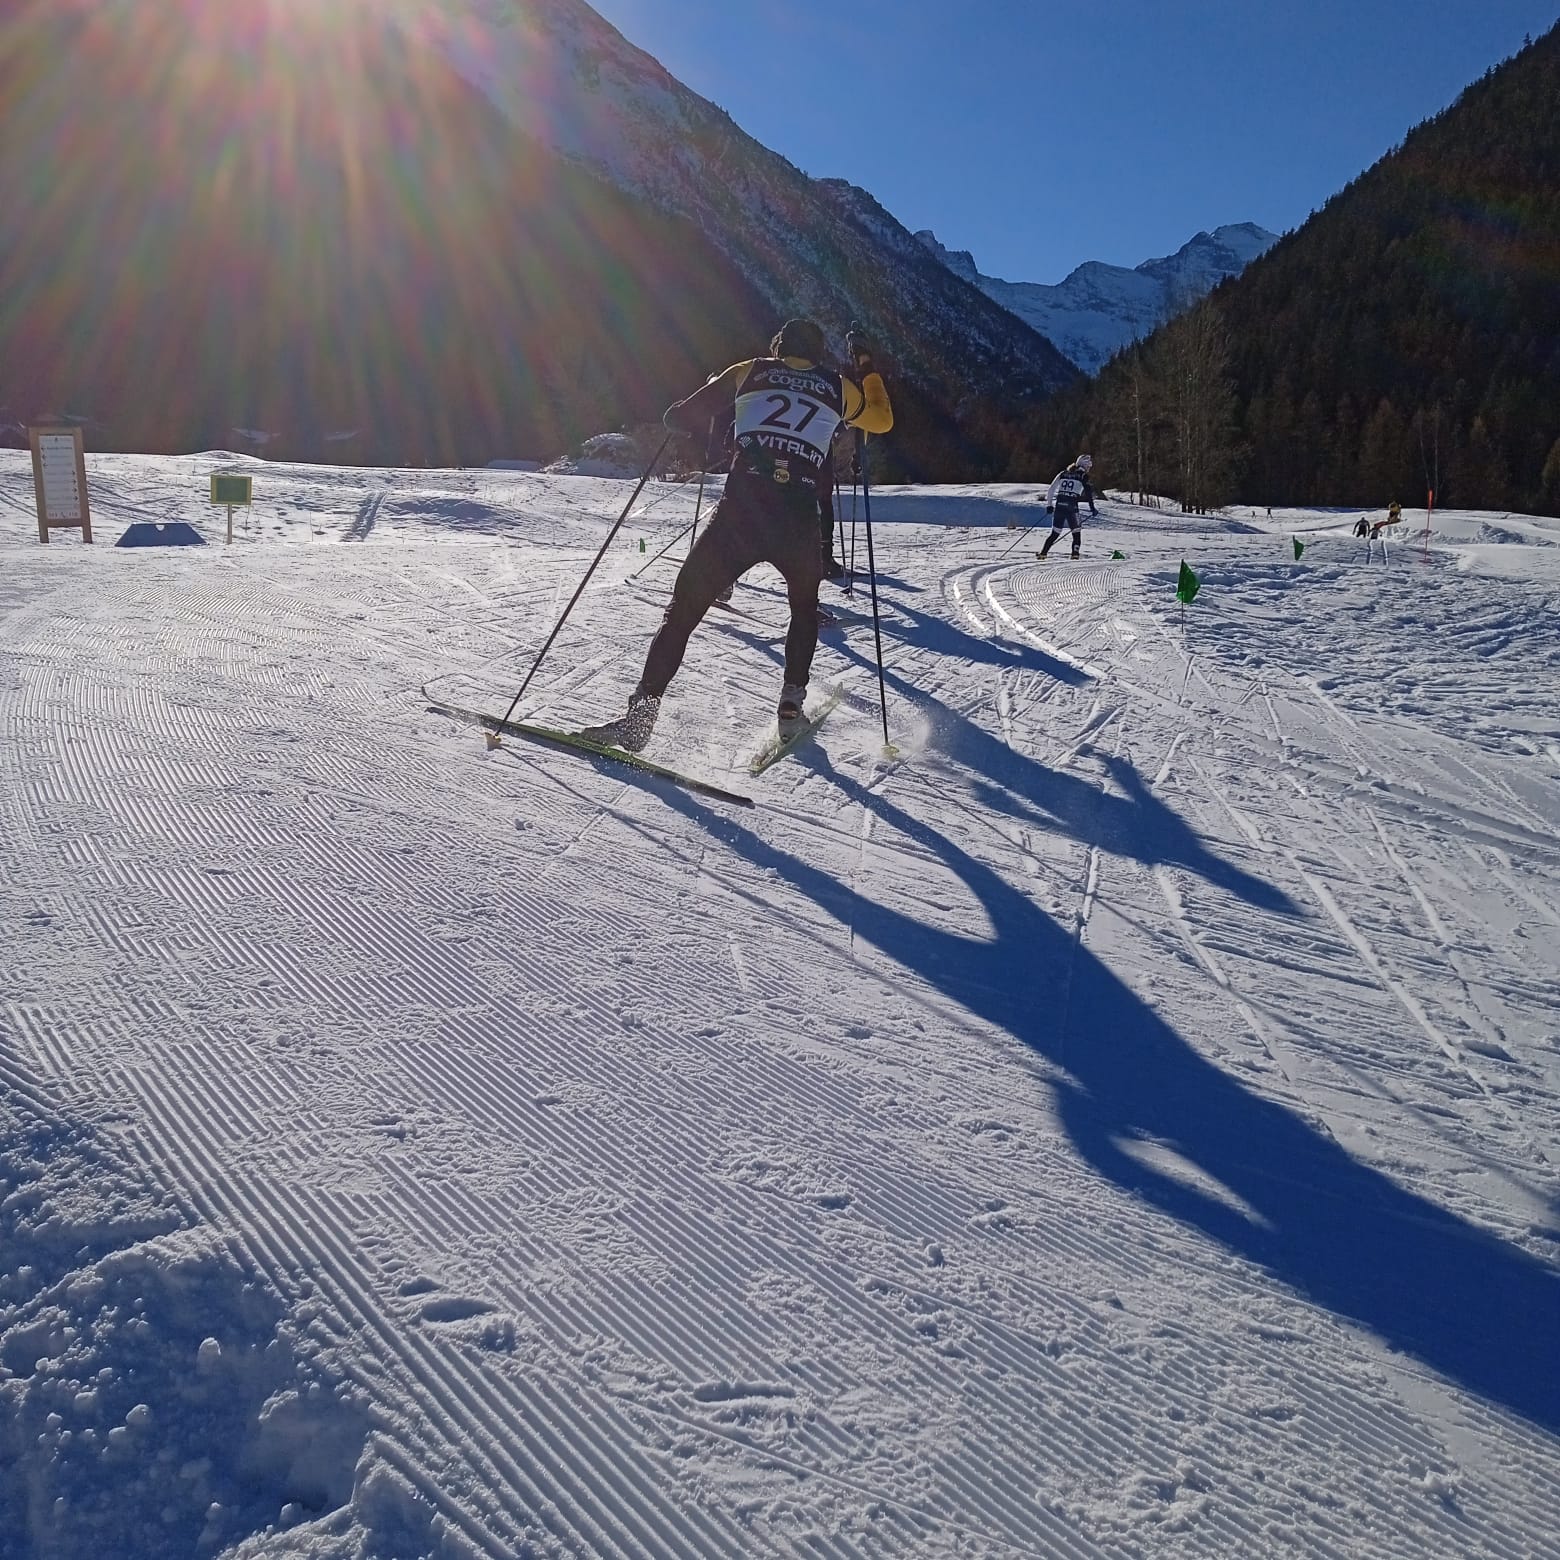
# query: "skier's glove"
[[859, 350], [1049, 510]]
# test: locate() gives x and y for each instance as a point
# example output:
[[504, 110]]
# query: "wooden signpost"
[[60, 481]]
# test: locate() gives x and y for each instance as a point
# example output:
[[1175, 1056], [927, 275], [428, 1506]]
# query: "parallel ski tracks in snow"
[[680, 1222]]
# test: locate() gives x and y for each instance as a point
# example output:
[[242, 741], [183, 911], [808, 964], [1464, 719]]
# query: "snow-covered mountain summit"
[[1099, 308]]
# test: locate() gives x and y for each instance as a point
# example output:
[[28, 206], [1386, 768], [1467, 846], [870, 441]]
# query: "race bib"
[[789, 413], [781, 420]]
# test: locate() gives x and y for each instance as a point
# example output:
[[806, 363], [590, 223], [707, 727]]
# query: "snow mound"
[[151, 1394], [605, 455]]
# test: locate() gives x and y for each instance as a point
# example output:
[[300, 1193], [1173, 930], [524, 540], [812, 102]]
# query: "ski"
[[729, 608], [572, 742], [737, 612], [828, 617], [779, 746]]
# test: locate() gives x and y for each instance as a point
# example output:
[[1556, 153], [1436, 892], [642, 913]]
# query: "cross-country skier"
[[788, 406], [1067, 490]]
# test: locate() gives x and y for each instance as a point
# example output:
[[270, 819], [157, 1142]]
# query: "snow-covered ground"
[[1123, 1126]]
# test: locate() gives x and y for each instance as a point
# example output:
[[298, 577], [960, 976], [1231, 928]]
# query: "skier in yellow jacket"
[[1394, 517], [788, 406]]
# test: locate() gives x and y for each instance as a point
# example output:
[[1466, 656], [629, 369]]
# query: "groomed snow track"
[[982, 1155]]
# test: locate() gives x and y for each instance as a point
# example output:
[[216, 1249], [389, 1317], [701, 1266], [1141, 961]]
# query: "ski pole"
[[855, 484], [709, 439], [839, 526], [889, 750], [674, 541], [1017, 539], [617, 525], [697, 505]]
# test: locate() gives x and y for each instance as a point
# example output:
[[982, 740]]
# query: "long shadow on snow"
[[971, 511], [925, 631], [1135, 824], [1425, 1281], [906, 625]]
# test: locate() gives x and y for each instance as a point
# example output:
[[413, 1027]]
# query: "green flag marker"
[[1117, 553], [1299, 547], [1187, 585]]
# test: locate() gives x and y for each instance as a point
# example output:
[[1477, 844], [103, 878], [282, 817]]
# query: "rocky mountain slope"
[[466, 228]]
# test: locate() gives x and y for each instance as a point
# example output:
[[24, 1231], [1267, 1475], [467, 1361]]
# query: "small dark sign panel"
[[231, 490]]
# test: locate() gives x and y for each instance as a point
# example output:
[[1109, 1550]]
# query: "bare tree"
[[1138, 409], [1193, 356]]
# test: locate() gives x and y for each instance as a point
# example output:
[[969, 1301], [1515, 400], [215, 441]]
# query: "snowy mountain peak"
[[1100, 308], [1203, 262]]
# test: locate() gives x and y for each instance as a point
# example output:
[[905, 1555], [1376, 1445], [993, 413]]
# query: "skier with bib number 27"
[[788, 406], [1067, 490]]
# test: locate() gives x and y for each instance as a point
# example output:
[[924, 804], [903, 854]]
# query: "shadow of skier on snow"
[[905, 625], [1426, 1282], [1135, 823]]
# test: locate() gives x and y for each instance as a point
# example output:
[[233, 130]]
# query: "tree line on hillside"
[[1160, 419], [1406, 338]]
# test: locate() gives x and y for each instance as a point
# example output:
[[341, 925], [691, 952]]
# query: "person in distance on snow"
[[1068, 489], [788, 406]]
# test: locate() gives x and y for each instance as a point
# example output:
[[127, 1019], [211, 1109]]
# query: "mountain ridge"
[[1099, 308], [472, 228]]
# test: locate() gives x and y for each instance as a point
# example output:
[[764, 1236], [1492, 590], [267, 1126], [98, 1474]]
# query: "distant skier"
[[788, 406], [1362, 528], [1068, 489]]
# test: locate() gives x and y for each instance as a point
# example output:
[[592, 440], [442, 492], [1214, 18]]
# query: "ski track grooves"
[[487, 1128]]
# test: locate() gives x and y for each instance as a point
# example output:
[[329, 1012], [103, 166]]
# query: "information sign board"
[[230, 489], [60, 481]]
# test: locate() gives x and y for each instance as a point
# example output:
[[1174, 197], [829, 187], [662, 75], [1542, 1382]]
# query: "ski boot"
[[631, 730], [788, 715]]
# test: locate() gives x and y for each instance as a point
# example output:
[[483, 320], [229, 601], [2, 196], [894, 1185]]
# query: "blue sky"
[[1039, 134]]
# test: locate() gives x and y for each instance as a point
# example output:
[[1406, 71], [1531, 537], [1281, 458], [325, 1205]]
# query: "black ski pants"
[[1066, 514], [756, 521]]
